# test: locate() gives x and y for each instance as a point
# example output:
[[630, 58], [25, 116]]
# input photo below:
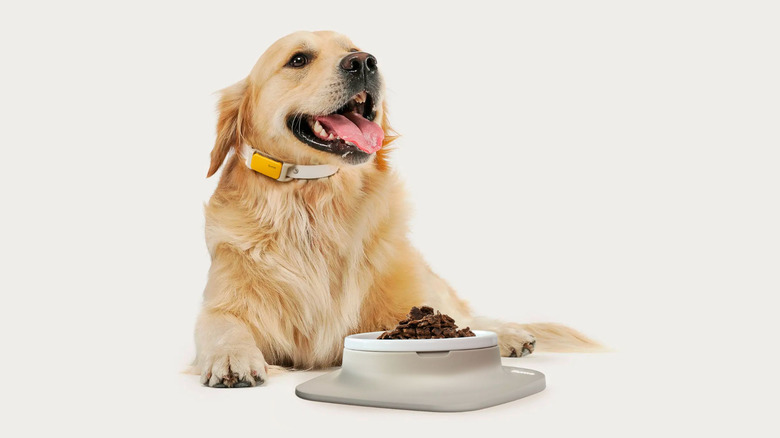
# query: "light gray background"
[[609, 165]]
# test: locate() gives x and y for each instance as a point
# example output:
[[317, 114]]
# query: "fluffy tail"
[[558, 338]]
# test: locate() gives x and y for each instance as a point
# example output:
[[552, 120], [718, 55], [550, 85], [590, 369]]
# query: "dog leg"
[[227, 354]]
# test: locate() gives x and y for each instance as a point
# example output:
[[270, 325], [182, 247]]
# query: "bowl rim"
[[368, 342]]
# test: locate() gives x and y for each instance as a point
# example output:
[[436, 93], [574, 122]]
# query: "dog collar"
[[282, 171]]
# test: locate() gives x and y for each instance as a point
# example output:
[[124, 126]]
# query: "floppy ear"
[[229, 123], [390, 136]]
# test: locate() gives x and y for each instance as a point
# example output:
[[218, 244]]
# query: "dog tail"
[[558, 338]]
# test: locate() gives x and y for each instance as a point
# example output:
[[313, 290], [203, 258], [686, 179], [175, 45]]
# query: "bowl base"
[[449, 381]]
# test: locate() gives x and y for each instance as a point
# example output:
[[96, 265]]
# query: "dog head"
[[312, 98]]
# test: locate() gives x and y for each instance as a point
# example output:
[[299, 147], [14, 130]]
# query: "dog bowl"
[[445, 375]]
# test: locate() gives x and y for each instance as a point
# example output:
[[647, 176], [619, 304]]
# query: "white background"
[[609, 165]]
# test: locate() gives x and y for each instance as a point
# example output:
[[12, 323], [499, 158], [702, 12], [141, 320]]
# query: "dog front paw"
[[513, 341], [236, 367]]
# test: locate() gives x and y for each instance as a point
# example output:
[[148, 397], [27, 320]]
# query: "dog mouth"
[[349, 131]]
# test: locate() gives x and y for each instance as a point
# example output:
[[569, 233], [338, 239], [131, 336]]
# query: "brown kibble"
[[425, 323], [415, 313], [423, 333]]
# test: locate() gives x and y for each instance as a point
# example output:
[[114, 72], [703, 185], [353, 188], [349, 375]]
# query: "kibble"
[[423, 323]]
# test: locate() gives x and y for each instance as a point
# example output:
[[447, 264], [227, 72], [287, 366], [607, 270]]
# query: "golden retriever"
[[299, 264]]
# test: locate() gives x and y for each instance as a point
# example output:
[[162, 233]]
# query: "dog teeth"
[[320, 131], [361, 97], [331, 137]]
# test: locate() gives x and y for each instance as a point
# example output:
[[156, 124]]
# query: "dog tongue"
[[356, 129]]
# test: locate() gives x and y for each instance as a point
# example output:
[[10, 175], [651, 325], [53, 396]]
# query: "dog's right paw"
[[236, 367]]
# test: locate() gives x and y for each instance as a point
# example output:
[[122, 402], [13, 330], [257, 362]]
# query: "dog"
[[307, 228]]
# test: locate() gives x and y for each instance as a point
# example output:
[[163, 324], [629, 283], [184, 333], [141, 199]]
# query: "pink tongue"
[[356, 129]]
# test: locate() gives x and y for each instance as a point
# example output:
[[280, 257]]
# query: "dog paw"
[[513, 341], [234, 368]]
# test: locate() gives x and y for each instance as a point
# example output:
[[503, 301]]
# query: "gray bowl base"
[[448, 381]]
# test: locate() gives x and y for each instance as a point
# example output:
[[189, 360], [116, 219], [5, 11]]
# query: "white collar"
[[282, 171]]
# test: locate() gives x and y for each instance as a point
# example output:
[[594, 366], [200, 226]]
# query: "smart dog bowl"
[[446, 375]]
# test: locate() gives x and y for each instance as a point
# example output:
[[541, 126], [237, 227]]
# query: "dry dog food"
[[422, 323]]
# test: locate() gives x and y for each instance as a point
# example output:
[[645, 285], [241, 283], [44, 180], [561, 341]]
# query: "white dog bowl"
[[447, 375]]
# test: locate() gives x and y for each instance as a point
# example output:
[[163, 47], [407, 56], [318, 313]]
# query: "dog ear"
[[229, 123], [390, 136]]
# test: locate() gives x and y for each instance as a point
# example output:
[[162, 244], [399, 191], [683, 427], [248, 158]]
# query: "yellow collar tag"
[[266, 166]]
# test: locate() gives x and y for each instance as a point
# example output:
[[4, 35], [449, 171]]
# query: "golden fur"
[[298, 265]]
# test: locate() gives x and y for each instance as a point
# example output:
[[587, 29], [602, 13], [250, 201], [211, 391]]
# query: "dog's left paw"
[[513, 341], [234, 367]]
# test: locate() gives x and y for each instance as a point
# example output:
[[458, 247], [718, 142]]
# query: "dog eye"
[[298, 60]]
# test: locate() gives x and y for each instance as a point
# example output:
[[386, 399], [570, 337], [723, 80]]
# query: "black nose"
[[358, 62]]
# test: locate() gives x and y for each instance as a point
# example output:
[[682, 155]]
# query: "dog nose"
[[358, 62]]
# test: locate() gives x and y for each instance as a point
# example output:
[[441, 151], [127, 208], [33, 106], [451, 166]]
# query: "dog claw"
[[528, 348]]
